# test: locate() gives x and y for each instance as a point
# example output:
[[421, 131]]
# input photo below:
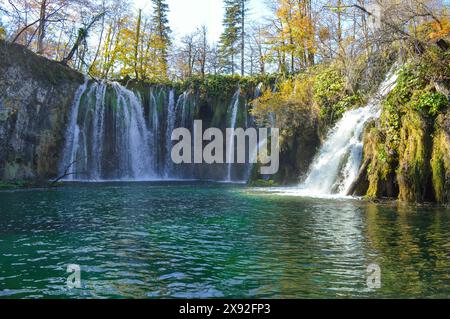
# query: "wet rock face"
[[421, 171], [35, 101], [440, 161], [298, 151]]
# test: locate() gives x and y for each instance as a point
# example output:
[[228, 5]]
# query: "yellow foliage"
[[291, 104], [297, 35], [440, 30], [2, 33]]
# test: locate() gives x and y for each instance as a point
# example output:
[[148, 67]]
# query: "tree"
[[244, 9], [294, 34], [41, 30], [232, 40], [136, 44], [82, 36], [259, 50], [203, 49], [161, 39]]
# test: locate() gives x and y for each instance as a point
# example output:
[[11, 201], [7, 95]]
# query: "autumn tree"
[[294, 34]]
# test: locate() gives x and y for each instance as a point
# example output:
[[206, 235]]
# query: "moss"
[[440, 163], [40, 67], [400, 147], [220, 85], [380, 170], [413, 172], [23, 184], [263, 183], [7, 185]]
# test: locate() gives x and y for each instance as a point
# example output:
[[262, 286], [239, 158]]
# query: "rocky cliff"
[[36, 96]]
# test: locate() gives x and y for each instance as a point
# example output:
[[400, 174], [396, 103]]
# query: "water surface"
[[172, 240]]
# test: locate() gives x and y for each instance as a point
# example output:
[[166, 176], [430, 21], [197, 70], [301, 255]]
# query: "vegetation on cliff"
[[405, 148]]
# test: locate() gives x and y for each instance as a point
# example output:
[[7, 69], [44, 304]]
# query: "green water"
[[159, 240]]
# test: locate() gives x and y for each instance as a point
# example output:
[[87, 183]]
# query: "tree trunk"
[[82, 35], [136, 44], [339, 30], [41, 30], [243, 39]]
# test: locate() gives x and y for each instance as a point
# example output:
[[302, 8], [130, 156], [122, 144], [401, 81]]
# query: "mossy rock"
[[263, 183], [413, 171], [381, 168], [440, 161]]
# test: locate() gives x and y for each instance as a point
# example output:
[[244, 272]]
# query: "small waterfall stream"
[[338, 162], [234, 109], [171, 117], [72, 136]]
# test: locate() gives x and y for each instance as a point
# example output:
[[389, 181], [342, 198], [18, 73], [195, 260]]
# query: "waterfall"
[[171, 117], [184, 105], [234, 110], [253, 153], [115, 134], [66, 168], [337, 164], [107, 138], [154, 120]]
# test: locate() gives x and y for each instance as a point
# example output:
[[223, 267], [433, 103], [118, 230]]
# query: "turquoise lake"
[[210, 240]]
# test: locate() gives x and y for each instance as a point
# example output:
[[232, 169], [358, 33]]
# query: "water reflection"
[[411, 246]]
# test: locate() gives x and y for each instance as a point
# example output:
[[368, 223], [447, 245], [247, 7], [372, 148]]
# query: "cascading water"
[[184, 111], [234, 109], [154, 124], [339, 159], [118, 134], [72, 136], [171, 118], [107, 138], [253, 153]]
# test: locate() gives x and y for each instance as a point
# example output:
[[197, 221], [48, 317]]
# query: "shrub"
[[431, 103]]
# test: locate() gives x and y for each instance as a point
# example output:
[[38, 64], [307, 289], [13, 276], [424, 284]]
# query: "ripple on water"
[[207, 240]]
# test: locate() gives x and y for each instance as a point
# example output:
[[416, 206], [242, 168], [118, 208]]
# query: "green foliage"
[[401, 149], [431, 103], [17, 184], [263, 183], [231, 36], [328, 87], [224, 85], [160, 40], [213, 85], [397, 104], [433, 65], [331, 96]]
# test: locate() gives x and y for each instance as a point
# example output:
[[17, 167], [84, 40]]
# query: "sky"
[[186, 15]]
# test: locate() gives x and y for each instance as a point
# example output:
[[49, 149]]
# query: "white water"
[[72, 136], [338, 162], [110, 139], [98, 151], [171, 117], [154, 120], [234, 109], [184, 102]]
